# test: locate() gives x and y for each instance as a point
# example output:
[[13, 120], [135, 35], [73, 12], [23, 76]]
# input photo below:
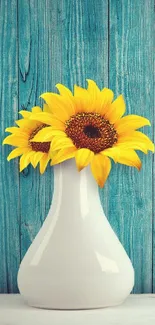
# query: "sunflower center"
[[39, 146], [92, 131]]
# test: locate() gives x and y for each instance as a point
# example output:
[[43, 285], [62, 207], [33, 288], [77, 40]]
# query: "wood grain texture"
[[35, 76], [130, 73], [51, 41], [9, 175]]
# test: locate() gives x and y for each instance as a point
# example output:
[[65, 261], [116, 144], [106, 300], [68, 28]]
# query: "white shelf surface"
[[136, 310]]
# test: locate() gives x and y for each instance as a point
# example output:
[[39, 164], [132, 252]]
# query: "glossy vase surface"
[[76, 261]]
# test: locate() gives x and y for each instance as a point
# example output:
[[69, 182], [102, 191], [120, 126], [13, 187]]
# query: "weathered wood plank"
[[9, 180], [130, 192], [85, 42], [36, 19]]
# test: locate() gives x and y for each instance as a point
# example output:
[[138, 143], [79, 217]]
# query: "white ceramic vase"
[[76, 261]]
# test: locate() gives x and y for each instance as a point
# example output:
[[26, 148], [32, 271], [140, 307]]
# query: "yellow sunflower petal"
[[46, 108], [64, 91], [130, 158], [36, 158], [48, 119], [116, 110], [136, 140], [94, 93], [133, 145], [17, 141], [131, 122], [61, 108], [43, 135], [57, 124], [82, 99], [16, 153], [68, 96], [111, 152], [47, 135], [12, 129], [48, 97], [63, 154], [51, 152], [25, 114], [16, 131], [93, 89], [36, 109], [58, 133], [25, 160], [106, 96], [32, 161], [60, 143], [43, 117], [100, 167], [27, 123], [43, 163], [144, 138], [83, 157]]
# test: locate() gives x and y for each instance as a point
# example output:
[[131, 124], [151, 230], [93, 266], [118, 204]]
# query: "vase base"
[[49, 307]]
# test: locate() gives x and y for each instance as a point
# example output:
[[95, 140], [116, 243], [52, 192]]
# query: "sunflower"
[[90, 126], [22, 138]]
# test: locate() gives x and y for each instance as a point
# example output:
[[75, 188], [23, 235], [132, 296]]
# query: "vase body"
[[76, 261]]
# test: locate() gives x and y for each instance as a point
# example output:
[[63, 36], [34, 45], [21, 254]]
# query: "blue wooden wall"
[[50, 41]]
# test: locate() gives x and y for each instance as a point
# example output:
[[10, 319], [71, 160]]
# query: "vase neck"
[[75, 190]]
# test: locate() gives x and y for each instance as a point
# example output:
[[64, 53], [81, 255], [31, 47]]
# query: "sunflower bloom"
[[22, 137], [89, 126]]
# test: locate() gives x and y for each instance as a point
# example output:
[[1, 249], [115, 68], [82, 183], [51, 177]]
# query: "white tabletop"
[[137, 309]]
